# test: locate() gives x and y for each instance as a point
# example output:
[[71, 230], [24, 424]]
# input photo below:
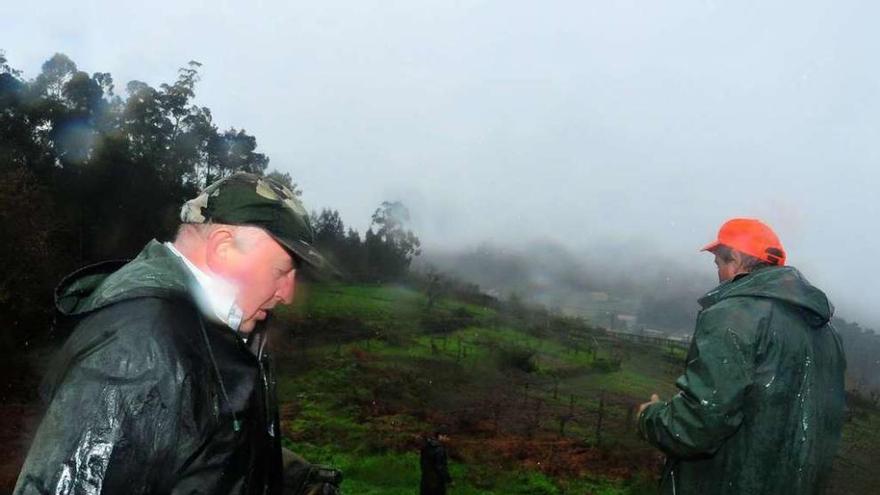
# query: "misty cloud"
[[636, 123]]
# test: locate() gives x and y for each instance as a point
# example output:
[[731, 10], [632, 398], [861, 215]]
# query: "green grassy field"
[[369, 369], [364, 371], [360, 402]]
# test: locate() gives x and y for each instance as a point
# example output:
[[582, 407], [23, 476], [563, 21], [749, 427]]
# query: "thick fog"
[[623, 133]]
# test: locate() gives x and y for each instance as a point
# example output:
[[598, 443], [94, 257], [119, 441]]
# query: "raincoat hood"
[[155, 272], [785, 284]]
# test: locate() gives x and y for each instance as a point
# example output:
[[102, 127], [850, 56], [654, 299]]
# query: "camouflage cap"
[[249, 199]]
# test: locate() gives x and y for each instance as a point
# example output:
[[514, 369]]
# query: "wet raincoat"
[[435, 469], [147, 396], [761, 401]]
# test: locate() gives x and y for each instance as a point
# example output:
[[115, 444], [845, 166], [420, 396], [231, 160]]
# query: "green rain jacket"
[[761, 401], [148, 397]]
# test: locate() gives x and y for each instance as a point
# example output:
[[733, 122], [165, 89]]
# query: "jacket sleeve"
[[102, 421], [708, 407]]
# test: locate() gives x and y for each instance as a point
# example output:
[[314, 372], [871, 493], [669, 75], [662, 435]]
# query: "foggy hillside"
[[604, 284]]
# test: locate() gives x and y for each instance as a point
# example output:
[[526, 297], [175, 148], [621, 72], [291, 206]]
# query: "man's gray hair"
[[750, 263], [244, 236]]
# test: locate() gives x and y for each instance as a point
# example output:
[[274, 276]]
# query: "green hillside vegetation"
[[535, 403], [369, 369]]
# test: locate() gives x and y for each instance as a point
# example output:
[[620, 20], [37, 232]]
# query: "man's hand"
[[654, 399]]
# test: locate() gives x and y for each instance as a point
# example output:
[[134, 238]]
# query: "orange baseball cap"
[[752, 237]]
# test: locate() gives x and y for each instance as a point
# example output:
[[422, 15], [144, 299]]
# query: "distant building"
[[653, 332], [628, 321], [599, 296]]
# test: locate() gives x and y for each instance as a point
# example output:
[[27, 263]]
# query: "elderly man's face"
[[264, 273], [728, 269]]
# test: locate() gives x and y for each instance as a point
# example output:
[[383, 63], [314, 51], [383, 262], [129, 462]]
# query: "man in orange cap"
[[743, 245], [760, 404]]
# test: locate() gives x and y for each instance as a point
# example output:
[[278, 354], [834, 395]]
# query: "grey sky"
[[635, 122]]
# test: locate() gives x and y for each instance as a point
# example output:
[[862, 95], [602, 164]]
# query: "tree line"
[[89, 173]]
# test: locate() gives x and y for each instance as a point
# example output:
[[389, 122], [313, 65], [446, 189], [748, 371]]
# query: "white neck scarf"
[[215, 296]]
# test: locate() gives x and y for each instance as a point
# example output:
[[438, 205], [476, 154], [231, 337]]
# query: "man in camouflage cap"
[[247, 199], [165, 383]]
